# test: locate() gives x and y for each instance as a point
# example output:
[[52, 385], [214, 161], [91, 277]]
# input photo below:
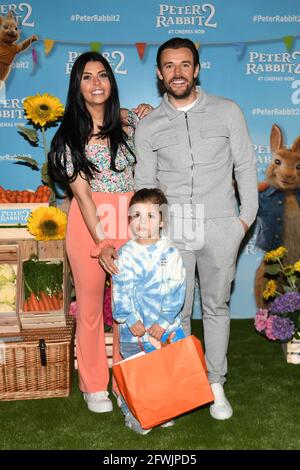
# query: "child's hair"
[[154, 195]]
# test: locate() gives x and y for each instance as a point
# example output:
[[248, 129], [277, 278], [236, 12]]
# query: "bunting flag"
[[95, 46], [197, 45], [34, 56], [48, 45], [289, 42], [141, 47], [240, 48]]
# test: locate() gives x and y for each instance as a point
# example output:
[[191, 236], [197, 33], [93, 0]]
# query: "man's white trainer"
[[98, 402], [221, 409]]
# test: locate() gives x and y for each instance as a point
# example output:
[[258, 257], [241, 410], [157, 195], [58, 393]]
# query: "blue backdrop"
[[249, 51]]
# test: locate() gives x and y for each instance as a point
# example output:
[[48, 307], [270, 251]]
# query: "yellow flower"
[[297, 266], [270, 290], [289, 270], [275, 254], [47, 223], [43, 109]]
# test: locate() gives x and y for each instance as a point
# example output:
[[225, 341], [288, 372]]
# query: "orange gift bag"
[[165, 383]]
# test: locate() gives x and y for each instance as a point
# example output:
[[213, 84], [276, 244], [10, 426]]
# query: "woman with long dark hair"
[[92, 152]]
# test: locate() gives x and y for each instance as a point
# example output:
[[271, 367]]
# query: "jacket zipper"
[[192, 156]]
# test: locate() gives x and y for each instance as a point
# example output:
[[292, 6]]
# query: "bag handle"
[[162, 345]]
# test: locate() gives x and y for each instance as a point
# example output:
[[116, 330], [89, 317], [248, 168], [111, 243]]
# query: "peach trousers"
[[89, 280]]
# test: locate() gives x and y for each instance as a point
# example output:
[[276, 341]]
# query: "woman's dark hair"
[[76, 127], [178, 43]]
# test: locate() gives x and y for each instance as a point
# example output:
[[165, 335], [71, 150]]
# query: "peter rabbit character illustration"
[[9, 34], [278, 216]]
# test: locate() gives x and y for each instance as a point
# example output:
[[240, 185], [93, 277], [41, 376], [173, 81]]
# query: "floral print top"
[[105, 180]]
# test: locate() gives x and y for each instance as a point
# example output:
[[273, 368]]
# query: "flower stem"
[[44, 142]]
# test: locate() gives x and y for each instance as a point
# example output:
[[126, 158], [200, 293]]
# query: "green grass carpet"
[[262, 387]]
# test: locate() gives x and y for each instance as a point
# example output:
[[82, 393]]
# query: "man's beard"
[[180, 95]]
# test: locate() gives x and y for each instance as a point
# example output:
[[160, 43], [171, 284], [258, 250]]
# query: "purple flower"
[[260, 319], [279, 328], [286, 303]]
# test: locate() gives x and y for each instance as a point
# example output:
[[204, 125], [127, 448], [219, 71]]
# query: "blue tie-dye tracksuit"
[[150, 287]]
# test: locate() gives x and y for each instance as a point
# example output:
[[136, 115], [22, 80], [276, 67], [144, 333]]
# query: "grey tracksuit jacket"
[[191, 157]]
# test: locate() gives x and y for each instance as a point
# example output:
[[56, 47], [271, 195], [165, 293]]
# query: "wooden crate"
[[23, 372], [108, 347], [292, 351], [9, 320], [51, 318], [45, 250]]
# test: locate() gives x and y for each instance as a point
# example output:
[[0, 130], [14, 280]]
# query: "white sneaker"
[[168, 424], [221, 409], [132, 423], [98, 402]]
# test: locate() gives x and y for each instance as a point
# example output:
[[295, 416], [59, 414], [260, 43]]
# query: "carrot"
[[44, 301], [52, 303], [31, 197], [34, 302], [30, 307], [56, 301], [25, 306]]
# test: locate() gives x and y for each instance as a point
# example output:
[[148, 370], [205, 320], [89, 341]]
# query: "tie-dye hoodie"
[[150, 287]]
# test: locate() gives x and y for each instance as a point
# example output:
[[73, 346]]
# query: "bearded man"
[[190, 147]]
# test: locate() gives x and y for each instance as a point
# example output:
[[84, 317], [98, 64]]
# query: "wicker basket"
[[37, 363]]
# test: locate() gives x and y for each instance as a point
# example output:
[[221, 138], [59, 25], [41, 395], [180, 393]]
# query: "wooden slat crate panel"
[[108, 347], [292, 351], [22, 376]]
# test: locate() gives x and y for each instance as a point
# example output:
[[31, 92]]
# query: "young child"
[[149, 291]]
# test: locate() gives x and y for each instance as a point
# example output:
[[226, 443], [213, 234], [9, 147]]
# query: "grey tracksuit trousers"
[[216, 262]]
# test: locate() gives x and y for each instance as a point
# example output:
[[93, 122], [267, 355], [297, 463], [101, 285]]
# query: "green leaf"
[[44, 173], [28, 161], [273, 269], [28, 132]]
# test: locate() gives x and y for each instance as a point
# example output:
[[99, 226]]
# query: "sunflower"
[[270, 290], [43, 109], [275, 254], [297, 266], [47, 223]]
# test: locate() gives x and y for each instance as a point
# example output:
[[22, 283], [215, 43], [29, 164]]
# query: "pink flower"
[[260, 319], [73, 309], [270, 329]]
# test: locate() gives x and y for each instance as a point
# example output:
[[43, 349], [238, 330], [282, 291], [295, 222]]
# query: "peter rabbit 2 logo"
[[277, 66], [186, 16], [22, 12]]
